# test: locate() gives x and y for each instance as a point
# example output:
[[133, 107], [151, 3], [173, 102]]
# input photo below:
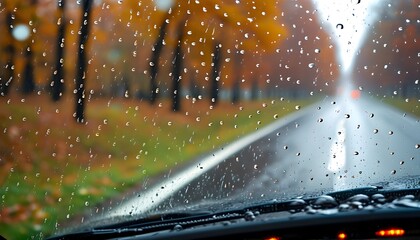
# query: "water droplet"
[[417, 146], [298, 202], [255, 166], [390, 132], [347, 115], [249, 216], [317, 50], [362, 198], [379, 198], [371, 115], [393, 171], [86, 203], [407, 201], [226, 223], [325, 201], [311, 65], [356, 153], [343, 207], [177, 227], [339, 26], [375, 131]]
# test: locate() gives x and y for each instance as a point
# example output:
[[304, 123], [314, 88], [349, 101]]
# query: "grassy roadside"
[[53, 168], [407, 105]]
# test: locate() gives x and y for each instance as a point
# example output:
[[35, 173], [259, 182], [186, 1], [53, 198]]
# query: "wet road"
[[333, 145]]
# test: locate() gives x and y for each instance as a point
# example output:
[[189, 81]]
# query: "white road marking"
[[150, 198], [338, 149]]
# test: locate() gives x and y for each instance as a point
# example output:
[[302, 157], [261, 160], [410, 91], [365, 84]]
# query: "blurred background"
[[100, 96], [129, 41]]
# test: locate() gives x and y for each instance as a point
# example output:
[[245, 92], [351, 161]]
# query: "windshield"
[[127, 108]]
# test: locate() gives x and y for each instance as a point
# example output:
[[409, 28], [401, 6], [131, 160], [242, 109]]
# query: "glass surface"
[[119, 109]]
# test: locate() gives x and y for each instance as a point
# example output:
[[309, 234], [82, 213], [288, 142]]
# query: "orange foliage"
[[271, 42]]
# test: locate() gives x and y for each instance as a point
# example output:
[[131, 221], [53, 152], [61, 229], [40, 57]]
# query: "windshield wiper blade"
[[183, 220], [345, 194], [166, 222], [174, 220], [369, 191]]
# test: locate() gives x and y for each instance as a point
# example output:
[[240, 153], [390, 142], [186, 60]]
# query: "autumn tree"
[[253, 27], [81, 63], [208, 22], [57, 81]]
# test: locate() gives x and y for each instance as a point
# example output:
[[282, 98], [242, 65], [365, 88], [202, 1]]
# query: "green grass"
[[407, 105], [54, 169]]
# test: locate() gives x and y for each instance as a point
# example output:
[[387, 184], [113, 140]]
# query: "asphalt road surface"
[[333, 145]]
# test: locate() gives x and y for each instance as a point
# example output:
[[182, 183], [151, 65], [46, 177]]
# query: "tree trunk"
[[154, 60], [214, 89], [81, 64], [254, 90], [176, 75], [7, 75], [28, 84], [194, 89], [236, 89], [57, 81]]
